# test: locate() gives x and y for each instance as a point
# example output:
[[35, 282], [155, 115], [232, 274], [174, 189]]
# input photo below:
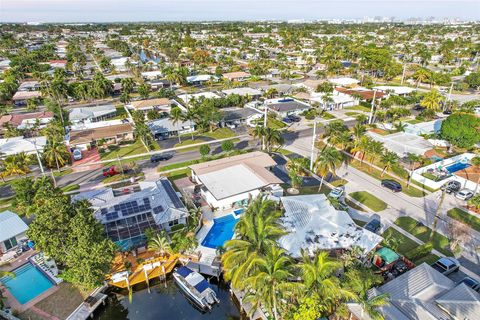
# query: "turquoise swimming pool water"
[[221, 231], [27, 284]]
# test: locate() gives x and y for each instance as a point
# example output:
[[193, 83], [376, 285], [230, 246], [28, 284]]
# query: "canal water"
[[165, 303]]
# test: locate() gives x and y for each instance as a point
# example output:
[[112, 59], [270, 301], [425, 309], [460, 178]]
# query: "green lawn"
[[440, 242], [353, 205], [220, 133], [127, 150], [359, 108], [275, 123], [464, 217], [121, 113], [351, 113], [62, 173], [70, 187], [413, 121], [178, 174], [377, 174], [189, 142], [178, 165], [285, 152], [369, 200], [327, 116]]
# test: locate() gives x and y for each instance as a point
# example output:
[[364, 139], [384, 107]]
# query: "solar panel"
[[103, 210], [111, 215], [172, 194], [158, 209]]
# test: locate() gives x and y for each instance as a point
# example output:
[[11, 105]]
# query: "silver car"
[[77, 154], [464, 194]]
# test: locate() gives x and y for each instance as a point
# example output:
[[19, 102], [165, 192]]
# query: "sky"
[[202, 10]]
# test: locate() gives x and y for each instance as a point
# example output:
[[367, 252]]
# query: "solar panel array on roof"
[[158, 209], [172, 194], [132, 207], [111, 215]]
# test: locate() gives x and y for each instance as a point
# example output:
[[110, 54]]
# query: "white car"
[[77, 154], [336, 193], [464, 194]]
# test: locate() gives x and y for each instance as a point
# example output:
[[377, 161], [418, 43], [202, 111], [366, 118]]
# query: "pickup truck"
[[446, 265]]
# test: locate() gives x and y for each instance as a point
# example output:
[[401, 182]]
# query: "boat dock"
[[91, 303], [246, 308]]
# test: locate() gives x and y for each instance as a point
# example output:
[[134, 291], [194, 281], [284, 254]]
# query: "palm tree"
[[328, 160], [318, 274], [432, 100], [257, 230], [375, 149], [295, 172], [421, 75], [175, 116], [360, 281], [56, 152], [190, 115], [270, 281], [412, 159], [389, 159], [160, 244], [16, 164], [258, 132], [273, 137]]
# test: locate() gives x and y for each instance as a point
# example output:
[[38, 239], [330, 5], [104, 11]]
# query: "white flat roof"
[[234, 180], [394, 89], [16, 145], [206, 95], [343, 81], [314, 224], [243, 91]]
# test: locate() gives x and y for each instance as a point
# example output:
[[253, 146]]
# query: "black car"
[[392, 185], [398, 268], [373, 226], [160, 157], [418, 107], [452, 186], [294, 118]]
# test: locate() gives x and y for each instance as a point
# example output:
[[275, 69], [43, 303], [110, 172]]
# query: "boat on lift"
[[195, 287]]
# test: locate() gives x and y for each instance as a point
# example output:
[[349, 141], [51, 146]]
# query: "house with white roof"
[[429, 127], [12, 230], [92, 114], [189, 97], [423, 293], [165, 128], [232, 181], [344, 82], [126, 215], [201, 79], [399, 91], [16, 145], [403, 143], [314, 224], [244, 92]]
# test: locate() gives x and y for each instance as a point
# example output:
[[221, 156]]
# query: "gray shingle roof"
[[11, 225]]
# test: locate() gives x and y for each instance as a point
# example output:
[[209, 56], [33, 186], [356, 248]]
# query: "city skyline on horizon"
[[61, 11]]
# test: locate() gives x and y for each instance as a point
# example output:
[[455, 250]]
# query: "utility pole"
[[265, 116], [437, 215], [313, 145], [38, 157], [403, 73], [370, 120]]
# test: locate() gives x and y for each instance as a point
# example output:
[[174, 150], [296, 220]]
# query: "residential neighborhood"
[[240, 170]]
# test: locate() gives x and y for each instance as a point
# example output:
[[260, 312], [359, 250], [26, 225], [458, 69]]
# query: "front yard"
[[464, 217], [369, 200], [126, 150]]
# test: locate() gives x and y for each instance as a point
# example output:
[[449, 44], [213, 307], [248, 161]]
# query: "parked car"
[[451, 186], [113, 170], [399, 267], [464, 194], [77, 154], [472, 283], [446, 265], [336, 193], [287, 120], [161, 157], [373, 226], [294, 118], [418, 107], [392, 185]]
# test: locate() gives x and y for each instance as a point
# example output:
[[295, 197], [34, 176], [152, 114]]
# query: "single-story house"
[[16, 145], [399, 91], [165, 128], [92, 114], [244, 92], [429, 127], [286, 106], [281, 88], [235, 116], [61, 64], [119, 63], [362, 93], [89, 134], [338, 100], [344, 82], [314, 224], [201, 79], [29, 86], [152, 75], [423, 293], [188, 97], [232, 181], [12, 230], [159, 104], [20, 98], [126, 215], [158, 84], [26, 120], [236, 76], [403, 143]]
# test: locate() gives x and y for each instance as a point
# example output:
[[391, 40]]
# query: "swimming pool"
[[28, 283], [457, 167], [221, 231]]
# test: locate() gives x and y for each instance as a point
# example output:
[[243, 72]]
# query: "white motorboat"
[[196, 287]]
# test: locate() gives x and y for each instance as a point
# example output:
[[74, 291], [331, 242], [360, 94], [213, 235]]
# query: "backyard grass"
[[121, 113], [377, 174], [464, 217], [127, 150], [421, 232], [369, 200]]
